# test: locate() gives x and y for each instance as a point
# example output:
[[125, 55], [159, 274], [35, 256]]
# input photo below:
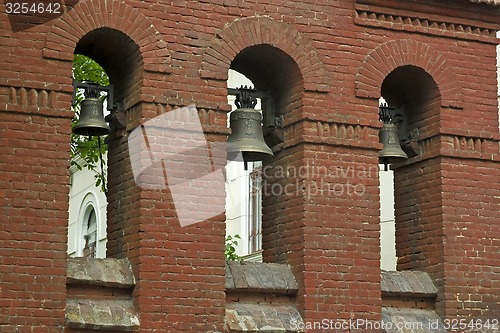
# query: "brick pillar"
[[471, 217], [325, 223], [418, 211], [34, 186], [180, 270], [446, 224]]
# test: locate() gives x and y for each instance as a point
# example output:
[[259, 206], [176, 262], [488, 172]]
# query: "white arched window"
[[89, 233]]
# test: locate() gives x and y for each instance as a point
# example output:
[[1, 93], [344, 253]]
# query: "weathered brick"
[[328, 62]]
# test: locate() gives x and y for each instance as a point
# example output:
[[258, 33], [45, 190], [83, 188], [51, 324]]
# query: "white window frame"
[[255, 210], [88, 205]]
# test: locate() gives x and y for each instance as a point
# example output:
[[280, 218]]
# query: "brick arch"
[[257, 30], [89, 15], [385, 58]]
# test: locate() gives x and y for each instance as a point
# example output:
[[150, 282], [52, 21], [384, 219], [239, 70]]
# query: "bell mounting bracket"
[[387, 114], [246, 97], [93, 90]]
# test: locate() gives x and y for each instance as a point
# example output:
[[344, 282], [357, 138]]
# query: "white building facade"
[[87, 215]]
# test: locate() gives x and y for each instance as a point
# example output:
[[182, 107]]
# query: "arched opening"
[[416, 97], [243, 193], [118, 56], [271, 69], [88, 173], [274, 72], [414, 90]]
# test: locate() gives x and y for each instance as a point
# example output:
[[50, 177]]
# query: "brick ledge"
[[107, 272], [101, 315]]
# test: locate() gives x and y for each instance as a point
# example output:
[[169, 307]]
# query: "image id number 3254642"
[[33, 8], [453, 325]]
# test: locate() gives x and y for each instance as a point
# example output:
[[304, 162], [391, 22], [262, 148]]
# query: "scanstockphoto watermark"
[[398, 325], [311, 180], [340, 325]]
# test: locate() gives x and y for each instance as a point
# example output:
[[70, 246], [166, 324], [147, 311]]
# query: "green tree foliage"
[[231, 243], [87, 70]]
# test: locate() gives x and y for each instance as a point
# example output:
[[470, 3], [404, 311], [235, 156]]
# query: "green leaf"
[[230, 249], [86, 69]]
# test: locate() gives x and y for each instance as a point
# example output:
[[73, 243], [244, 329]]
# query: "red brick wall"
[[33, 206], [167, 55], [432, 204], [470, 223], [419, 224], [34, 184]]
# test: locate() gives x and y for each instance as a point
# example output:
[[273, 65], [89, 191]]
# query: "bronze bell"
[[91, 122], [246, 136], [391, 152]]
